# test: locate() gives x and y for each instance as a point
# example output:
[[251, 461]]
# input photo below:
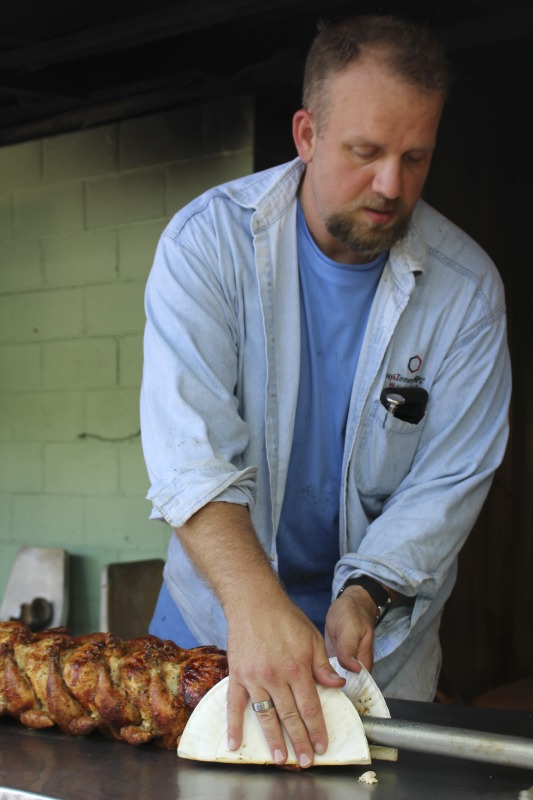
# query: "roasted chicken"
[[138, 691]]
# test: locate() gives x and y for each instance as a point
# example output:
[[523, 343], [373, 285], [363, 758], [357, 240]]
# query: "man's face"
[[367, 167]]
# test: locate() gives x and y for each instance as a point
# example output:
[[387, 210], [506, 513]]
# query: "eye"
[[415, 157], [365, 153]]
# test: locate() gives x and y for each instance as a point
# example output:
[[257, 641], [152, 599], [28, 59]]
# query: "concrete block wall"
[[80, 215]]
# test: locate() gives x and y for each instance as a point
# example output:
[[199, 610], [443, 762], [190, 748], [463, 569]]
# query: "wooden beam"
[[179, 19], [282, 68]]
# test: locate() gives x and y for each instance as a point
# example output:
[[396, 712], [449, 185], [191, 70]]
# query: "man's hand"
[[278, 655], [350, 629], [274, 651]]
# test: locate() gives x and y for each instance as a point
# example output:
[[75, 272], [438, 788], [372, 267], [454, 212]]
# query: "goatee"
[[367, 240]]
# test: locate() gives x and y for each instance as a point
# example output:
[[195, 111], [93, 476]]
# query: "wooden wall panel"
[[482, 179]]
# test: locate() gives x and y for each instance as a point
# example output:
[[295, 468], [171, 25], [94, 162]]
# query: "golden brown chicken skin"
[[137, 691]]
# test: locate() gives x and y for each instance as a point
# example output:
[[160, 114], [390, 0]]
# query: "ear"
[[304, 134]]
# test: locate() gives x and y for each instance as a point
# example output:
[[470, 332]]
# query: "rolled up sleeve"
[[193, 433]]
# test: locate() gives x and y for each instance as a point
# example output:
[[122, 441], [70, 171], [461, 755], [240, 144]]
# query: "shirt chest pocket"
[[383, 455]]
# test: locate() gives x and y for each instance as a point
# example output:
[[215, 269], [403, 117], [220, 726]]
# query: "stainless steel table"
[[67, 768]]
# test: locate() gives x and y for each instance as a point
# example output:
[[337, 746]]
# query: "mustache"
[[378, 203]]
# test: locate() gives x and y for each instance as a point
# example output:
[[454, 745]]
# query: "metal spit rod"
[[446, 741]]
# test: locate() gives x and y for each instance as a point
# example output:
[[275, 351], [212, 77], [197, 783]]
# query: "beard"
[[366, 238]]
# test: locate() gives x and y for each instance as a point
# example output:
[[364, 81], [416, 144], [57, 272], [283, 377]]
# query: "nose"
[[388, 179]]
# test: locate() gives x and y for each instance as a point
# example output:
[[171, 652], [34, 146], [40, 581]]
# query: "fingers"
[[236, 703], [326, 676], [350, 633], [301, 716], [280, 657], [352, 653], [270, 725], [297, 709], [365, 651]]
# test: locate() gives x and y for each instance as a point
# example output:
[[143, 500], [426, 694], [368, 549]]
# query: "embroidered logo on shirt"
[[414, 364]]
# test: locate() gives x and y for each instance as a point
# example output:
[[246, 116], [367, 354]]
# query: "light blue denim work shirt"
[[220, 385]]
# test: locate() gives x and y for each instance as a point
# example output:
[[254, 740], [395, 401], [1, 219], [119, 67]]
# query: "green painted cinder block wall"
[[80, 215]]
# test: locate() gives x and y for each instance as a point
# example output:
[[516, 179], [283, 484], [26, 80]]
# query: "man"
[[325, 395]]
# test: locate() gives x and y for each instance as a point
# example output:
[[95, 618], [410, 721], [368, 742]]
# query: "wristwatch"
[[377, 592]]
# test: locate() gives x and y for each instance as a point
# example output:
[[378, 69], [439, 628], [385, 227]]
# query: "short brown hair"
[[409, 50]]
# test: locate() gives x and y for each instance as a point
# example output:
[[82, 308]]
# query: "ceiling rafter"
[[125, 101], [165, 23]]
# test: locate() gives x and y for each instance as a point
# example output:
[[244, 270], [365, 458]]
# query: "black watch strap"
[[377, 592]]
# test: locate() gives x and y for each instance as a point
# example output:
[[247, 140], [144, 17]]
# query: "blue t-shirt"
[[335, 302]]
